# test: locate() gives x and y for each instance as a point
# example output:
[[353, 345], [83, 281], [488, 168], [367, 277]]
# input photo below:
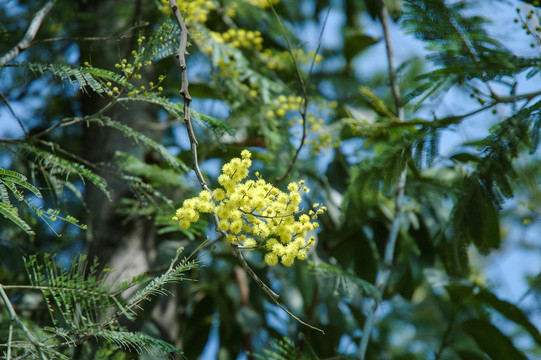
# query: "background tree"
[[104, 138]]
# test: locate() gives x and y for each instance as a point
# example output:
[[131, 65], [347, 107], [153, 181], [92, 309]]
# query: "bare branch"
[[30, 34]]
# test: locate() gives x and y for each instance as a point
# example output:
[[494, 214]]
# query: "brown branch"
[[31, 33]]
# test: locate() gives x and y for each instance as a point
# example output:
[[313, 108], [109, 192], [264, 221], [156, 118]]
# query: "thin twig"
[[383, 274], [30, 34], [445, 340], [274, 296], [319, 41], [10, 339], [303, 106], [5, 100], [390, 59], [38, 345]]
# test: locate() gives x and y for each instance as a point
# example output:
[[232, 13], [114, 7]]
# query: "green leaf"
[[465, 157], [4, 195], [157, 176], [469, 355], [77, 295], [137, 136], [483, 223], [356, 42], [11, 213], [18, 195], [469, 293], [377, 104], [19, 179], [59, 165], [176, 110], [510, 311], [364, 286], [139, 342], [476, 220], [163, 42], [491, 340], [84, 76], [284, 349]]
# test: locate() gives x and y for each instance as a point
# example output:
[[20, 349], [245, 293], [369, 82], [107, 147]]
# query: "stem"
[[382, 277], [304, 106], [10, 339], [5, 100], [384, 16], [30, 34], [445, 340], [38, 345]]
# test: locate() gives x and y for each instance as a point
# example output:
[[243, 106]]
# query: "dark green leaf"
[[491, 340], [469, 355], [356, 42], [510, 311]]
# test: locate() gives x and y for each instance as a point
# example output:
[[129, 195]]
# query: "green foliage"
[[397, 265], [130, 133], [83, 302], [77, 296], [284, 349], [458, 42], [491, 340], [11, 213], [57, 166], [352, 283], [177, 111], [82, 76], [163, 42], [9, 180], [141, 343]]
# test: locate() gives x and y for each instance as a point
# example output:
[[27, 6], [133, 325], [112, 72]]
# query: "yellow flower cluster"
[[227, 68], [130, 69], [193, 11], [256, 214], [322, 136], [151, 87], [262, 3], [252, 90], [282, 60], [283, 104], [530, 25], [323, 141], [239, 38]]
